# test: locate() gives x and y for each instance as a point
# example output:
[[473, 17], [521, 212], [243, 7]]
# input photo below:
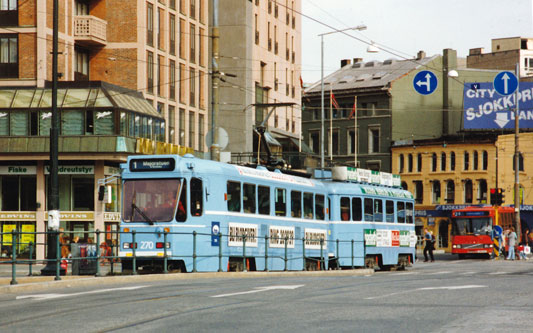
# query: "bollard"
[[194, 251], [322, 253], [285, 259], [112, 261], [134, 247], [98, 253], [352, 255], [165, 260], [303, 252], [14, 258], [58, 257], [219, 252], [30, 273], [244, 253], [266, 253]]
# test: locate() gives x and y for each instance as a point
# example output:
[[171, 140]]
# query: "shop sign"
[[72, 170], [405, 238], [75, 216], [110, 171], [27, 235], [18, 170], [370, 237], [111, 217], [8, 237], [17, 216]]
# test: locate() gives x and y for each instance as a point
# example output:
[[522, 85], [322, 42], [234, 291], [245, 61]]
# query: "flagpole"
[[355, 131], [330, 123]]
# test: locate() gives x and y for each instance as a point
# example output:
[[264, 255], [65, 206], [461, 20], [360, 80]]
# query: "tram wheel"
[[370, 263]]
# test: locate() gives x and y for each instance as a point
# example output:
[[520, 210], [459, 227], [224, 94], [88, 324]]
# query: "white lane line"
[[260, 289], [439, 273], [39, 297], [429, 288], [468, 273], [405, 273], [498, 273]]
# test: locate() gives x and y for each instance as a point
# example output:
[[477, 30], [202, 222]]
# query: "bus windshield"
[[473, 226], [150, 200]]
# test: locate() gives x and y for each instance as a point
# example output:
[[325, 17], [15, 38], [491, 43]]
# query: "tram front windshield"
[[473, 226], [150, 200]]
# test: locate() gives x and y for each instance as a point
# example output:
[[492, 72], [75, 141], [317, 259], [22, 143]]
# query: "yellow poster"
[[7, 236], [27, 235]]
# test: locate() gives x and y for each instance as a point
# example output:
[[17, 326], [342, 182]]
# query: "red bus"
[[472, 228]]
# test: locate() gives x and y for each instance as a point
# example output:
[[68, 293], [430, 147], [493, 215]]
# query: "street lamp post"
[[359, 27]]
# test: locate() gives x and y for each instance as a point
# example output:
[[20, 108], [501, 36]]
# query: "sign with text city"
[[485, 108]]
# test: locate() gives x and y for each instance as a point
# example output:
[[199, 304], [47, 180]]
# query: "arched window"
[[452, 161], [434, 162], [468, 191], [419, 162], [482, 191], [485, 162], [410, 163], [450, 192], [404, 186], [466, 160], [443, 161], [435, 195], [400, 164], [476, 160]]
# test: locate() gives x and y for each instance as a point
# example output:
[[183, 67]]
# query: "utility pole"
[[215, 147], [53, 194], [518, 225]]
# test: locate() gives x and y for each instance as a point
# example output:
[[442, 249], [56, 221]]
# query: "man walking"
[[428, 246], [511, 241]]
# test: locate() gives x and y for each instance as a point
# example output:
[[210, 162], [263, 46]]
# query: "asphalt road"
[[445, 296]]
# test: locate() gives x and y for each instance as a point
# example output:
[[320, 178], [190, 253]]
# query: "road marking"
[[439, 273], [39, 297], [468, 273], [405, 273], [429, 288], [498, 273], [261, 289]]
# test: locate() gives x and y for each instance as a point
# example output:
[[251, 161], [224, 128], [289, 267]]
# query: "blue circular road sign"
[[425, 82], [505, 83]]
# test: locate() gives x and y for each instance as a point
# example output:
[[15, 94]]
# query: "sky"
[[405, 27]]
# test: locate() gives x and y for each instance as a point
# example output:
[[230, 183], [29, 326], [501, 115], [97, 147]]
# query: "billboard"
[[484, 108]]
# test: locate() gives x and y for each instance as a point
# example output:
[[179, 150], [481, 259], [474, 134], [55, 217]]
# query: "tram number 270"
[[146, 245]]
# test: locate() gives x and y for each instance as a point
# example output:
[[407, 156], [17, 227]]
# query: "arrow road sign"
[[425, 82], [505, 83]]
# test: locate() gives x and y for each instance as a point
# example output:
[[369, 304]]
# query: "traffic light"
[[496, 196]]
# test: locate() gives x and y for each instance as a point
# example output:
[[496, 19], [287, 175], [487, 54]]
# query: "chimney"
[[420, 55], [356, 60], [345, 62]]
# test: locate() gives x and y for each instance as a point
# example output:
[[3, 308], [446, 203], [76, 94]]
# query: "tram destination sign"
[[152, 164]]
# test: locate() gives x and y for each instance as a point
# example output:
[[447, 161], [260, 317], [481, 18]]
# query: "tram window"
[[281, 202], [345, 209], [389, 211], [263, 193], [181, 214], [329, 209], [369, 209], [409, 212], [308, 205], [357, 209], [248, 198], [378, 210], [400, 211], [296, 204], [234, 196], [319, 207], [196, 197]]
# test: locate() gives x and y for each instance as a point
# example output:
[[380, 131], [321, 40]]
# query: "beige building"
[[460, 171], [260, 43], [133, 79]]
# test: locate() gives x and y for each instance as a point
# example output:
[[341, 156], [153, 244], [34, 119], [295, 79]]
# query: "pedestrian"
[[428, 247], [511, 241]]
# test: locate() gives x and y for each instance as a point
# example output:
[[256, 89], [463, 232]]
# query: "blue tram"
[[205, 215]]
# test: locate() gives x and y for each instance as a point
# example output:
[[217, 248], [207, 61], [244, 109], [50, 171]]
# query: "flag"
[[334, 101], [352, 114]]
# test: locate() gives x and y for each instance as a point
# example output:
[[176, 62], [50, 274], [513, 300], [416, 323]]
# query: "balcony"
[[90, 31]]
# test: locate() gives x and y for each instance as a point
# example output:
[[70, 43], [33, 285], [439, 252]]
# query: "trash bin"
[[84, 259]]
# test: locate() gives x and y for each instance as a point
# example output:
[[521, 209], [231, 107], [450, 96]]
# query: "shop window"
[[82, 193], [196, 197], [296, 204], [263, 194], [281, 202], [248, 198], [18, 193]]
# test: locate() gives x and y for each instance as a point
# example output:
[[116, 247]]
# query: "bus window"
[[296, 204], [181, 214], [378, 210], [400, 211], [281, 202], [248, 198], [196, 197], [263, 193], [369, 209], [308, 205], [357, 209], [319, 207], [389, 210], [234, 196], [409, 212], [345, 209]]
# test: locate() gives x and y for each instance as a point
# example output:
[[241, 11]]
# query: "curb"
[[72, 281]]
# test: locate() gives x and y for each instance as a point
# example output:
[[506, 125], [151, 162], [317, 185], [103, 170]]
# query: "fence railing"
[[293, 249]]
